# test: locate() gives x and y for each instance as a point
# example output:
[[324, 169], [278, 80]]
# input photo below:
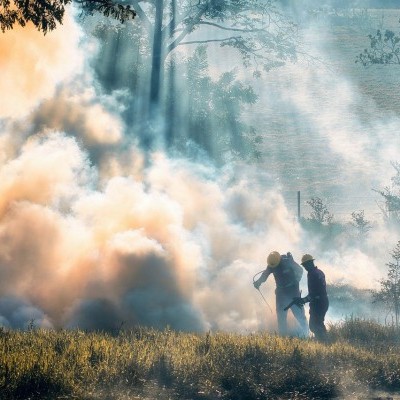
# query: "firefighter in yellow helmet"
[[317, 297], [287, 274]]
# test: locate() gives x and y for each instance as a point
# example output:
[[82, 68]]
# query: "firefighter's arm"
[[264, 276]]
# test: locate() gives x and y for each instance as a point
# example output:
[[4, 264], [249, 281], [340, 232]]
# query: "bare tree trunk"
[[157, 54], [152, 129], [170, 116]]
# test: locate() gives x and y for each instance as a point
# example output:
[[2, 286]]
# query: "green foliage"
[[384, 49], [45, 14], [360, 224], [319, 211], [109, 8], [213, 116], [320, 223], [391, 196], [389, 294], [214, 109], [143, 363]]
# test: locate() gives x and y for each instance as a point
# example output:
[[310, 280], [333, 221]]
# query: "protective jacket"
[[316, 284], [319, 302]]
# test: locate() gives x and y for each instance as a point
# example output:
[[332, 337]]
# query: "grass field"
[[360, 362]]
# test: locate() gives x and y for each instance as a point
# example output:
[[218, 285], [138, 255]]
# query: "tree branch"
[[230, 28], [208, 41], [189, 27], [175, 21]]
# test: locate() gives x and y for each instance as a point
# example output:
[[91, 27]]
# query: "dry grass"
[[146, 363]]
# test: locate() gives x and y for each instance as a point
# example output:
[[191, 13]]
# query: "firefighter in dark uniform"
[[317, 297], [287, 274]]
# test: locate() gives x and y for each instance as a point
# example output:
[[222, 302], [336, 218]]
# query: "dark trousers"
[[318, 309], [283, 297]]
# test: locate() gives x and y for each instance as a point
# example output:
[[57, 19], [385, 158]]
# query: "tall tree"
[[256, 29]]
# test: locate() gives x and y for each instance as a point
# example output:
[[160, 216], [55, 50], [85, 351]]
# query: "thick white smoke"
[[175, 246], [93, 236]]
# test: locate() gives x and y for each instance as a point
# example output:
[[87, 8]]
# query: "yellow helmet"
[[307, 257], [273, 259]]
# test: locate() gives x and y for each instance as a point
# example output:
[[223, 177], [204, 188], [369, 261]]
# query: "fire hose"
[[259, 291]]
